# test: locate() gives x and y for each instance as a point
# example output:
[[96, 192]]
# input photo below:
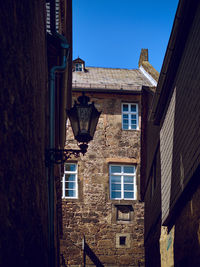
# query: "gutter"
[[64, 46], [108, 91]]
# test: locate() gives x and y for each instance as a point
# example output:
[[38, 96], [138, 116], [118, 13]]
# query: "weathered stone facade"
[[113, 228], [93, 214]]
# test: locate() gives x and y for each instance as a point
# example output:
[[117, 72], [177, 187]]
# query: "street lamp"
[[83, 118]]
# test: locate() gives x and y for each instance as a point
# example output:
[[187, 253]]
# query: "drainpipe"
[[64, 46]]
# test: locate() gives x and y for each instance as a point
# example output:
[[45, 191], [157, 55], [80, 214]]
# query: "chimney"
[[143, 56]]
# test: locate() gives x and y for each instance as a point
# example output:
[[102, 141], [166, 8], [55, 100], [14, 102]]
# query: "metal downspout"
[[64, 47]]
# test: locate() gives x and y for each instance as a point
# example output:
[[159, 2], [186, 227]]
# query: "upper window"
[[130, 116], [79, 67], [69, 181], [122, 182]]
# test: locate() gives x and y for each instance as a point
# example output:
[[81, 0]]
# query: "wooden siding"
[[180, 132]]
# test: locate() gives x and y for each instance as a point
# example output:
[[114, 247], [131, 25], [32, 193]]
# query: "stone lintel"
[[123, 160]]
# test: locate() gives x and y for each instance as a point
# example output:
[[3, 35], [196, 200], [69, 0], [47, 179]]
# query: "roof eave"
[[180, 30], [108, 91]]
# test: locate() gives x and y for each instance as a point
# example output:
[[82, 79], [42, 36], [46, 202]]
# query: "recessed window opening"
[[122, 240], [69, 181], [130, 116], [124, 212], [122, 182], [79, 67]]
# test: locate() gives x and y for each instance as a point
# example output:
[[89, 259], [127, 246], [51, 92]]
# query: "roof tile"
[[108, 78]]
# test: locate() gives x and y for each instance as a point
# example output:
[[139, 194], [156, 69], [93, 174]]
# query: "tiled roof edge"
[[148, 76]]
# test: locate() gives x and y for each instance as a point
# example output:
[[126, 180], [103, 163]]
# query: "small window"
[[130, 116], [69, 181], [122, 240], [79, 67], [124, 213], [122, 182]]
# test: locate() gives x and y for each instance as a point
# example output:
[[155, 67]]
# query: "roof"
[[78, 60], [151, 70], [108, 78]]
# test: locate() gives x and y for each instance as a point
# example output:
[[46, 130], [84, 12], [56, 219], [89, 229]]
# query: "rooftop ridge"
[[111, 68]]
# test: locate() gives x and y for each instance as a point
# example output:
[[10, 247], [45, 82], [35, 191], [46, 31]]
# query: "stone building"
[[172, 148], [27, 54], [101, 190]]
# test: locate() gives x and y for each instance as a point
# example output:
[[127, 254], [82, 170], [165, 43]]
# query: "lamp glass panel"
[[72, 113], [84, 114], [94, 120]]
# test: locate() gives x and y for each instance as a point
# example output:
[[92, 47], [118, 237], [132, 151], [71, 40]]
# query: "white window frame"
[[76, 181], [129, 113], [78, 67], [122, 174]]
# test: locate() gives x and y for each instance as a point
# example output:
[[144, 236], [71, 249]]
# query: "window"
[[69, 181], [124, 213], [122, 182], [79, 67], [123, 240], [129, 116]]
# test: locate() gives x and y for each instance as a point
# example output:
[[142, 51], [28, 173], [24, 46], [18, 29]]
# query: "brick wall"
[[93, 214]]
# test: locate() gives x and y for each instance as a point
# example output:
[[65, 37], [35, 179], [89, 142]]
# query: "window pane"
[[115, 186], [125, 116], [115, 194], [115, 179], [133, 108], [128, 179], [129, 169], [125, 107], [128, 187], [116, 169], [125, 121], [70, 185], [133, 122], [133, 116], [133, 127], [70, 167], [70, 193], [128, 194], [78, 67], [125, 126], [70, 177]]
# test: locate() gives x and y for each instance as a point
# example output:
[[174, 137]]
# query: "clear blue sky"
[[111, 33]]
